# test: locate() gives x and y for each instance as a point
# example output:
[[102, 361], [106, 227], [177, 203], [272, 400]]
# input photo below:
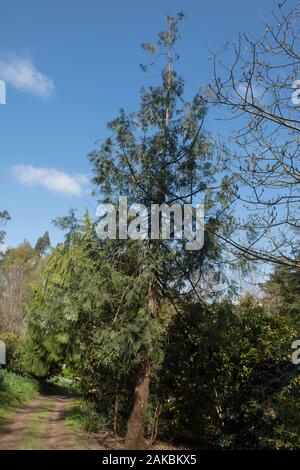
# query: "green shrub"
[[83, 414], [15, 391], [228, 380]]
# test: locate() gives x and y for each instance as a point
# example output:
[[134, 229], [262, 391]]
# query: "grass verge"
[[15, 391], [75, 421], [82, 420], [82, 415]]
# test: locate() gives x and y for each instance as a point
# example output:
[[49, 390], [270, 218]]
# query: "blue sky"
[[69, 66]]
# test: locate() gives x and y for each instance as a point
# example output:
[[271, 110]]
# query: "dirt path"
[[39, 426]]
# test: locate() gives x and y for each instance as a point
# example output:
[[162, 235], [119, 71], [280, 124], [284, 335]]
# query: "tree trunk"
[[116, 412], [135, 428]]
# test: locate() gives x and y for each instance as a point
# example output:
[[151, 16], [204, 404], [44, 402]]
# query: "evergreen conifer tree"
[[162, 155]]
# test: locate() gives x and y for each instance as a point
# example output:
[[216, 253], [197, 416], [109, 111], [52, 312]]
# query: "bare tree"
[[261, 94], [17, 270]]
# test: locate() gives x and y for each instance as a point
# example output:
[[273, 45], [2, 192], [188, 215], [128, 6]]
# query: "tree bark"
[[116, 412], [135, 428], [135, 439]]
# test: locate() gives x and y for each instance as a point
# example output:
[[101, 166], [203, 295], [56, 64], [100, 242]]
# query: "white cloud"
[[52, 179], [251, 93], [21, 73]]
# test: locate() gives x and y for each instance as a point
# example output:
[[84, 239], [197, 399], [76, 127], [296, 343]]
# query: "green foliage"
[[79, 314], [282, 292], [43, 244], [161, 154], [15, 391], [84, 415], [234, 368]]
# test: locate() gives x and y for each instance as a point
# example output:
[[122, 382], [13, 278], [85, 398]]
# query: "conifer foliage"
[[162, 155]]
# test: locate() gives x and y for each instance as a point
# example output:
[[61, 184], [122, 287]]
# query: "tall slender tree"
[[162, 155], [18, 267], [43, 244]]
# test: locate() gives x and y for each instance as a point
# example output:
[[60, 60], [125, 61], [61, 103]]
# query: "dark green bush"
[[228, 380]]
